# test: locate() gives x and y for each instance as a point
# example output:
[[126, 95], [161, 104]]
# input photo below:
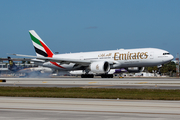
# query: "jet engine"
[[100, 67]]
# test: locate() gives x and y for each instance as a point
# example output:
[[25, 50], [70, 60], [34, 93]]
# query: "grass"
[[100, 93]]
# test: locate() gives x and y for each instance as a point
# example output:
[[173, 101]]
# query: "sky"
[[89, 25]]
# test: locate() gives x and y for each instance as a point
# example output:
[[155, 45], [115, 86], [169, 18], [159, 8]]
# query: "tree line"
[[166, 69]]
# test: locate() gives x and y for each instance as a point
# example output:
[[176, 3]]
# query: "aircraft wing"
[[63, 60]]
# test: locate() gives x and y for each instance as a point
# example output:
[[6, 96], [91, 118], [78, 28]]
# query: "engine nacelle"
[[100, 67]]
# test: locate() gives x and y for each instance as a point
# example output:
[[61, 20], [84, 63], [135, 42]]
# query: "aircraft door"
[[151, 55]]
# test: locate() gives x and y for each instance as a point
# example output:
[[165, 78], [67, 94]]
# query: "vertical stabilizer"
[[12, 66], [40, 47]]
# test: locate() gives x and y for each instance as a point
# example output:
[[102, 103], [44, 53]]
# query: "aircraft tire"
[[107, 76], [87, 76]]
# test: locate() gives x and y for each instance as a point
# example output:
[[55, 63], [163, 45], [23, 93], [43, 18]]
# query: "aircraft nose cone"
[[171, 57]]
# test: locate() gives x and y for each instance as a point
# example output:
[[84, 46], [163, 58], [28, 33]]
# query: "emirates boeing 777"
[[99, 62]]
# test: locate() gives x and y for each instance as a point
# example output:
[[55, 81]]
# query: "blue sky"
[[89, 25]]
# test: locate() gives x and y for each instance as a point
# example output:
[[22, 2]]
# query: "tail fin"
[[12, 65], [40, 47]]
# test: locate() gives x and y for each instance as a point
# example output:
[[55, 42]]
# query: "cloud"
[[91, 27]]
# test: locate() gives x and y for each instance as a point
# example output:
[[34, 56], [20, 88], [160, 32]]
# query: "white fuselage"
[[142, 57]]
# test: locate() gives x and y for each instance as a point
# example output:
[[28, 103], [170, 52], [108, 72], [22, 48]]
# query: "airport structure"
[[19, 62]]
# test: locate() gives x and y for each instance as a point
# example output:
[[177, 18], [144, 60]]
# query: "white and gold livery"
[[99, 62]]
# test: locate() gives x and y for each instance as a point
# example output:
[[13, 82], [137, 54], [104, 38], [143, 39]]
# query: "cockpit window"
[[166, 53]]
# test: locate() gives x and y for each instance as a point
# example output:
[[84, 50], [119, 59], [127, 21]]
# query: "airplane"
[[28, 71], [99, 62]]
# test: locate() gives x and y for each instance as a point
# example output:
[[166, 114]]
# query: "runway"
[[15, 108], [67, 82]]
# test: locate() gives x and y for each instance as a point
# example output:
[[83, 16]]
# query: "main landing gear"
[[92, 76], [87, 76], [107, 76]]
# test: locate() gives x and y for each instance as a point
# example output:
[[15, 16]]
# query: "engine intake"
[[100, 67]]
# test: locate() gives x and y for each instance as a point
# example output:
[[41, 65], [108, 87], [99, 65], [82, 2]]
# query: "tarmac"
[[68, 82], [16, 108]]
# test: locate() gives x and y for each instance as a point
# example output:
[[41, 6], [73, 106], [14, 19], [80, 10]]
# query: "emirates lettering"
[[130, 56]]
